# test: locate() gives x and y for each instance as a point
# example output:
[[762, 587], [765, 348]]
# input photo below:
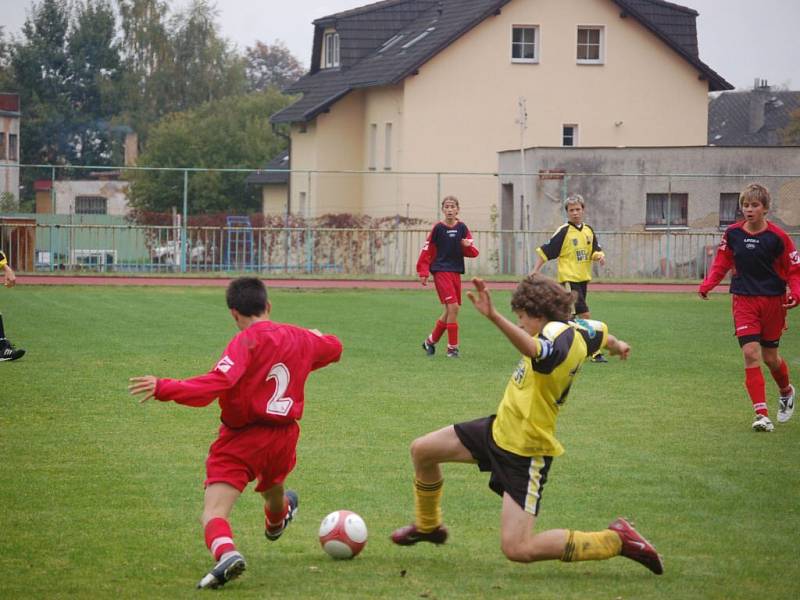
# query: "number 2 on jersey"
[[278, 404]]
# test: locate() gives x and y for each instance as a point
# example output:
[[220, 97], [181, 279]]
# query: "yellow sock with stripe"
[[592, 545], [428, 505]]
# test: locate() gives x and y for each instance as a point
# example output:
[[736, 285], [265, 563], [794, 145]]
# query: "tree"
[[791, 133], [206, 67], [271, 66], [231, 133]]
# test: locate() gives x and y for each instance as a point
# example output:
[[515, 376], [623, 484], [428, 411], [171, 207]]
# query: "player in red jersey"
[[260, 383], [443, 255], [765, 263]]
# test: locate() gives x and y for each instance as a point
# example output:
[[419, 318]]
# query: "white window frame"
[[330, 49], [575, 130], [536, 45], [601, 59], [372, 147], [387, 146], [91, 205]]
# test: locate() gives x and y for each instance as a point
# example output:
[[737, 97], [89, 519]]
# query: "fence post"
[[184, 253], [669, 219]]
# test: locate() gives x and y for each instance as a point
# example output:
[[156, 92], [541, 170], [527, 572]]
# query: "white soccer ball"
[[343, 534]]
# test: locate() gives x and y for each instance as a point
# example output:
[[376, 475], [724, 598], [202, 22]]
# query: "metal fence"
[[33, 247]]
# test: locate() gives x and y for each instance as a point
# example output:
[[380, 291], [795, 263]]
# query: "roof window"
[[391, 42], [414, 40]]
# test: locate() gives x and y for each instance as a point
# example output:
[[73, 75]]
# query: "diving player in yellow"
[[7, 350], [517, 446]]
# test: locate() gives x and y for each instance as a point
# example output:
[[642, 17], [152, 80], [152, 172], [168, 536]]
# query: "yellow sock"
[[593, 545], [427, 505]]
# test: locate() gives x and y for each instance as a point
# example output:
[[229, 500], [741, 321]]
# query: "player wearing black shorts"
[[518, 444]]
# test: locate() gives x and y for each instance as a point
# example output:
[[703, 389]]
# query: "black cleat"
[[224, 571], [409, 535], [273, 533], [8, 352], [430, 349]]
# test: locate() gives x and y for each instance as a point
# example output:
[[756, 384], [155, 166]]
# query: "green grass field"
[[101, 496]]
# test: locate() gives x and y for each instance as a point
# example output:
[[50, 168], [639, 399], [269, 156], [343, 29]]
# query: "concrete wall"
[[615, 182], [115, 193]]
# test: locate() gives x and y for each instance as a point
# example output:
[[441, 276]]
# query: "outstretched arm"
[[518, 337], [617, 347], [9, 276], [144, 385]]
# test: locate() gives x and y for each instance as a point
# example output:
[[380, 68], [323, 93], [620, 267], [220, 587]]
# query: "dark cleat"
[[8, 352], [224, 571], [430, 349], [635, 547], [273, 533], [409, 535]]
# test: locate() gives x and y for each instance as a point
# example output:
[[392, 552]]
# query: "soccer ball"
[[343, 534]]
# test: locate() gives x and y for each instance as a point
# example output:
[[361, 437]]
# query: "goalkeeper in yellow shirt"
[[518, 444]]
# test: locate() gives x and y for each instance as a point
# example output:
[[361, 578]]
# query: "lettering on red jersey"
[[224, 365], [794, 258]]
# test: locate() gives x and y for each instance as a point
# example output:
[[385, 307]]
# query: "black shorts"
[[581, 288], [521, 477]]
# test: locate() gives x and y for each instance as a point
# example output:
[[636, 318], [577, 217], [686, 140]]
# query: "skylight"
[[391, 42], [414, 40]]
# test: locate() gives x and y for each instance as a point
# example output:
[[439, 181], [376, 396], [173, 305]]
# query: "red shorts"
[[762, 318], [448, 286], [263, 452]]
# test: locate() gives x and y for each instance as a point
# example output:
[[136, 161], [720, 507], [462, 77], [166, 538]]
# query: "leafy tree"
[[791, 133], [230, 133], [271, 66], [206, 66]]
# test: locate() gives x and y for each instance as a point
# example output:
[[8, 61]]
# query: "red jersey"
[[763, 263], [443, 251], [261, 376]]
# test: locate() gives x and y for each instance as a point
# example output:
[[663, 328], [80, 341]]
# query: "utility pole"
[[524, 209]]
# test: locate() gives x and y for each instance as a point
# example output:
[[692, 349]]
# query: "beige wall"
[[115, 193], [273, 198], [9, 169], [460, 110]]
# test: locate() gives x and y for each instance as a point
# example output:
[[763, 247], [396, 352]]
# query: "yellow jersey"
[[3, 259], [526, 417], [575, 247]]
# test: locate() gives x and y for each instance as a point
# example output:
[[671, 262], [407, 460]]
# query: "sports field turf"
[[100, 495]]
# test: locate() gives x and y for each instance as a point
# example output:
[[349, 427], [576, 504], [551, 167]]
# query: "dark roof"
[[750, 118], [276, 171], [385, 42]]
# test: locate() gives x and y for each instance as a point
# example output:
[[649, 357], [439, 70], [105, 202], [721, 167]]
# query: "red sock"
[[219, 537], [754, 382], [452, 335], [276, 519], [437, 332], [781, 377]]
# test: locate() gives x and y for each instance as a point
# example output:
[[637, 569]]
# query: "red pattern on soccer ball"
[[343, 534]]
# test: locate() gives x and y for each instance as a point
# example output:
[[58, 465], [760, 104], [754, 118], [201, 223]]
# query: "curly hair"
[[755, 192], [540, 296]]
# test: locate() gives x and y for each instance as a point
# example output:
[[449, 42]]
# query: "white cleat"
[[762, 423], [786, 406]]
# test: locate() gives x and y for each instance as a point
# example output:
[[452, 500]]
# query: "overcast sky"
[[740, 39]]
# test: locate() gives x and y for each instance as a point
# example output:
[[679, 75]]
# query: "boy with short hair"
[[518, 444], [765, 263], [7, 350], [575, 247], [443, 255], [259, 381]]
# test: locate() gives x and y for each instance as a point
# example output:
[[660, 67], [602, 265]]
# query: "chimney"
[[758, 101], [131, 149]]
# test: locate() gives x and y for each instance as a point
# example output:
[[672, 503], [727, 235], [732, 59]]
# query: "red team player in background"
[[764, 262], [260, 383], [443, 255]]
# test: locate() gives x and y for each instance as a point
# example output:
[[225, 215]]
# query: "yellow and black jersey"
[[526, 417], [575, 247], [3, 260]]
